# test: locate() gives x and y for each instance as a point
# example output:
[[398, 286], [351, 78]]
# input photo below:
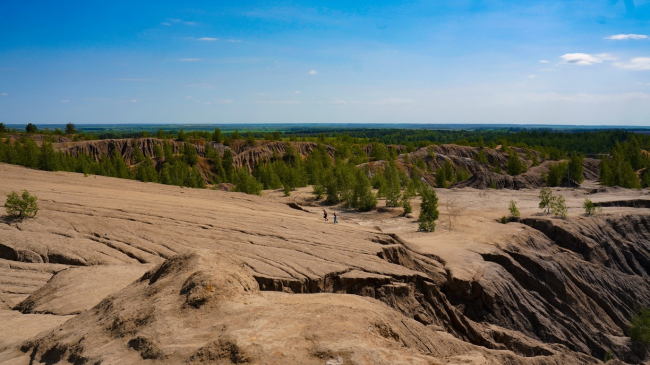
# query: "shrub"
[[21, 206], [558, 207], [640, 326], [608, 356], [546, 199], [504, 219], [590, 207], [514, 212]]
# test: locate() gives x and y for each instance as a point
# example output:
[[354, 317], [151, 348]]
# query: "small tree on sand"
[[558, 207], [514, 212], [21, 206], [428, 209], [545, 199]]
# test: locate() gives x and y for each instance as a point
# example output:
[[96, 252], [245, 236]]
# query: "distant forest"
[[337, 167]]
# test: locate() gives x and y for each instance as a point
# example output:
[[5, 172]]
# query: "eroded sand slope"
[[234, 278]]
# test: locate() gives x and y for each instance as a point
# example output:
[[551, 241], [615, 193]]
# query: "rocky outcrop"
[[250, 157]]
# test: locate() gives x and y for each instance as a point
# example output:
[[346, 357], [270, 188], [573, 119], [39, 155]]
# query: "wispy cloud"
[[532, 76], [65, 101], [543, 61], [190, 59], [584, 59], [276, 102], [224, 101], [166, 24], [338, 102], [619, 37], [208, 39], [187, 97], [547, 69], [313, 72], [637, 64], [133, 101], [584, 97], [4, 94], [234, 40], [298, 92]]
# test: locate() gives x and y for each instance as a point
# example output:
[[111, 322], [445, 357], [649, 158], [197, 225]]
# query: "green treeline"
[[620, 169], [176, 170]]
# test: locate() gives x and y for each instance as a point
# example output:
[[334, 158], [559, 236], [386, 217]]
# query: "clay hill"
[[245, 155], [116, 271]]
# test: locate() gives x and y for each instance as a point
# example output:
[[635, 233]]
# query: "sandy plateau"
[[117, 272]]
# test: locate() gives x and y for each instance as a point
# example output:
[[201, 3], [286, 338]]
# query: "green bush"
[[640, 326], [590, 207], [21, 206], [608, 356], [504, 219]]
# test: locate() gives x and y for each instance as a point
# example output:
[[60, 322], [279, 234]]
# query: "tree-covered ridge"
[[341, 168]]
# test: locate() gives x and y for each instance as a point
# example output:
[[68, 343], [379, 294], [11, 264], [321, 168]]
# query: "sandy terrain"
[[234, 278]]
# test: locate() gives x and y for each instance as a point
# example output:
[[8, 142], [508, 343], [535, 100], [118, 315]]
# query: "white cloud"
[[298, 92], [637, 64], [65, 101], [208, 39], [4, 94], [532, 76], [619, 37], [225, 101], [547, 69], [543, 61], [133, 101], [207, 103], [234, 40], [165, 24], [338, 102], [313, 72], [584, 59], [190, 59], [190, 23], [187, 97]]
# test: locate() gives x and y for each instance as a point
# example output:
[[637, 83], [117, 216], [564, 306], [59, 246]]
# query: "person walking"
[[335, 221], [325, 214]]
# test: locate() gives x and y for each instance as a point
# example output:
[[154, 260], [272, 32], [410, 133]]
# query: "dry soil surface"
[[116, 271]]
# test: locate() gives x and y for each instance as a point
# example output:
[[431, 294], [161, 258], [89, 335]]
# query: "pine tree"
[[146, 171], [70, 129], [363, 198], [245, 183], [428, 209], [190, 155], [216, 135], [47, 159], [228, 164], [393, 185]]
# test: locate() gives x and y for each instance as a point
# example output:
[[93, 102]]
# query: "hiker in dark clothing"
[[325, 214], [335, 221]]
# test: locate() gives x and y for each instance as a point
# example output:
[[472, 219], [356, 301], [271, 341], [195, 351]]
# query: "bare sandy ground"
[[362, 280]]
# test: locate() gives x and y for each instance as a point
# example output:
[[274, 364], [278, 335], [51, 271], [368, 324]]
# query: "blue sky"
[[473, 61]]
